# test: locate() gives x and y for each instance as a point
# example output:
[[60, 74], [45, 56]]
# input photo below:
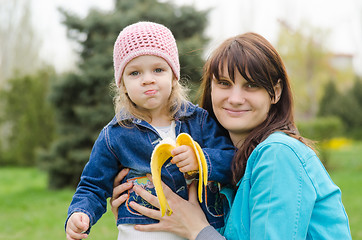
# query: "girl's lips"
[[150, 92]]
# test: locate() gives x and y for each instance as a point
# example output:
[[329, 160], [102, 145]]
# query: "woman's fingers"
[[119, 196], [193, 192], [170, 195], [120, 176], [152, 199], [148, 212], [120, 189]]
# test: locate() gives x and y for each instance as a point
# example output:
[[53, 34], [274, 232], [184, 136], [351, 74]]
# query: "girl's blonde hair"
[[126, 110]]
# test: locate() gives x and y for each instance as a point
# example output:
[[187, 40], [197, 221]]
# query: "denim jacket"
[[131, 147]]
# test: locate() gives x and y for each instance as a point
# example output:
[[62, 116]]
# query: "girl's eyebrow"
[[160, 63]]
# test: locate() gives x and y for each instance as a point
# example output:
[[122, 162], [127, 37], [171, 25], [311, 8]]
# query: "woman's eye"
[[252, 85], [223, 83]]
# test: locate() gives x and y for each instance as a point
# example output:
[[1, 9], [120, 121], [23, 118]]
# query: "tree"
[[308, 64], [27, 117], [19, 48], [82, 100], [347, 106], [330, 101]]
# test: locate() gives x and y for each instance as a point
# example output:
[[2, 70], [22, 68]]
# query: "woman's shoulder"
[[280, 138], [285, 145]]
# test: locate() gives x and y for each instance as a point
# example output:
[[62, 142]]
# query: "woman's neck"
[[237, 139]]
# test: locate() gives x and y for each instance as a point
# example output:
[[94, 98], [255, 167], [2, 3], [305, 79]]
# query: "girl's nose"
[[147, 78], [237, 96]]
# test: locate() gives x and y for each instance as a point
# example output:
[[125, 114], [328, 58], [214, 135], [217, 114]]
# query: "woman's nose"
[[236, 96]]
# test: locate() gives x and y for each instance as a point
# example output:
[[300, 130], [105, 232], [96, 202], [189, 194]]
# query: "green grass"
[[345, 168], [29, 211]]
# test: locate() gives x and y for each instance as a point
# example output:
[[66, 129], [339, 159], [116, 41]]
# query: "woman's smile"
[[235, 112]]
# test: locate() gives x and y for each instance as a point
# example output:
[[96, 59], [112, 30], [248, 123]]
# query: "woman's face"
[[239, 106]]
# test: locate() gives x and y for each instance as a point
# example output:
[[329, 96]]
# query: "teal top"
[[285, 193]]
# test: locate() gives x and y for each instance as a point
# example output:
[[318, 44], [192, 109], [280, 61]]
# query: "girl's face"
[[239, 106], [148, 81]]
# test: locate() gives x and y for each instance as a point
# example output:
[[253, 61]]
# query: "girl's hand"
[[77, 224], [187, 219], [185, 159], [119, 196]]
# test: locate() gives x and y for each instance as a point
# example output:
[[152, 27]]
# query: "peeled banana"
[[162, 152]]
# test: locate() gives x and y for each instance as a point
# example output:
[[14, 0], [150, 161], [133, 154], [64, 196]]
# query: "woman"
[[280, 188]]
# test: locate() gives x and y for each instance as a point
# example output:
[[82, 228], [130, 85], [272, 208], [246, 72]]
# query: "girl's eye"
[[158, 70], [134, 73]]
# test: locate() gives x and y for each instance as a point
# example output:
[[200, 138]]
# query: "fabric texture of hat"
[[144, 38]]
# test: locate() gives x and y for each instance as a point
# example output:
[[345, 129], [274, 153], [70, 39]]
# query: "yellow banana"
[[162, 152]]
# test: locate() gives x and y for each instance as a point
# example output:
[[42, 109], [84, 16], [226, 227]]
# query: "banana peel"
[[162, 152]]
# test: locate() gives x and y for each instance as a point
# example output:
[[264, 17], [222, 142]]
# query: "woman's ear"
[[278, 89]]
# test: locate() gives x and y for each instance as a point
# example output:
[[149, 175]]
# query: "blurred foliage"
[[321, 131], [20, 45], [346, 105], [337, 143], [26, 118], [310, 66], [82, 100]]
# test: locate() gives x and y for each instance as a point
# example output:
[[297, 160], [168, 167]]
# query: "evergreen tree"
[[346, 106], [83, 101], [329, 101], [353, 109]]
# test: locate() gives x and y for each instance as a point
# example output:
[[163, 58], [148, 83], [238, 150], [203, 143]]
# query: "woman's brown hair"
[[259, 63]]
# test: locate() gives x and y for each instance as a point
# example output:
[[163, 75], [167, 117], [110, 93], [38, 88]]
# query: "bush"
[[322, 130], [26, 118], [347, 106]]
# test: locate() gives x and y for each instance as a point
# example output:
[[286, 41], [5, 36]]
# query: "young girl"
[[150, 106], [281, 189]]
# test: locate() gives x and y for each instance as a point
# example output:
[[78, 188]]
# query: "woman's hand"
[[119, 196], [187, 219]]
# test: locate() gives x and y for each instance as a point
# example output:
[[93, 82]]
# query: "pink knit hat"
[[144, 38]]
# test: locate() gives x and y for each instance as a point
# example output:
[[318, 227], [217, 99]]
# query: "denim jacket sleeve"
[[218, 149], [96, 183]]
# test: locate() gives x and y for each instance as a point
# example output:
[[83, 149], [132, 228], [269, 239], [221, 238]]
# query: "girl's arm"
[[95, 185], [218, 149]]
